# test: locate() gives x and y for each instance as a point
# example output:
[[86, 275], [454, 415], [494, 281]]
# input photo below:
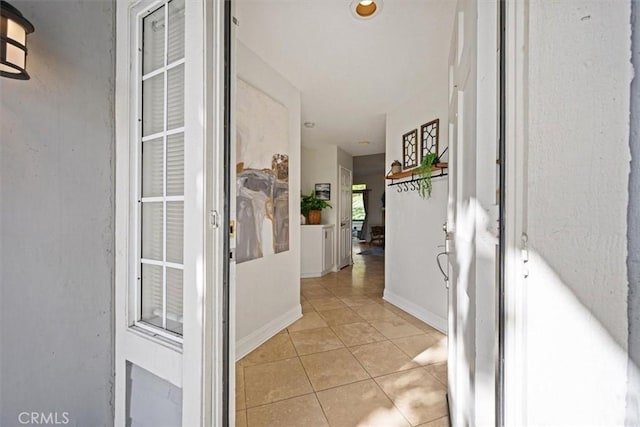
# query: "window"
[[358, 214], [357, 207], [357, 203], [160, 169]]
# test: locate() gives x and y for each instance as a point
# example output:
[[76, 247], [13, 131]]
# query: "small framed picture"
[[323, 191]]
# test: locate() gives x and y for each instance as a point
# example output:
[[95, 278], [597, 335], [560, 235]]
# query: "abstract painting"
[[262, 171]]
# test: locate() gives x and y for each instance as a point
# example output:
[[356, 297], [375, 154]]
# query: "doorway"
[[358, 212], [319, 296], [205, 311]]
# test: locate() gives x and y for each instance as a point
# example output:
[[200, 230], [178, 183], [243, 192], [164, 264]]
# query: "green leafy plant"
[[310, 203], [424, 170]]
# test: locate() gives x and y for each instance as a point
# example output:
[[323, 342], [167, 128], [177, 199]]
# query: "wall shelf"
[[413, 175]]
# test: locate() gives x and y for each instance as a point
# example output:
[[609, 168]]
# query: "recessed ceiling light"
[[309, 125], [363, 142], [365, 9]]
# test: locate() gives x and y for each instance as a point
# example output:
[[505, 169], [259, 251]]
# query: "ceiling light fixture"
[[13, 42], [363, 142], [366, 9], [309, 125]]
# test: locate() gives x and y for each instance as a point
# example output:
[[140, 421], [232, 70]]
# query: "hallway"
[[351, 360]]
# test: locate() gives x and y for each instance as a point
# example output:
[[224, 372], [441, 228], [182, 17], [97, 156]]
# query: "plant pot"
[[315, 217], [396, 167]]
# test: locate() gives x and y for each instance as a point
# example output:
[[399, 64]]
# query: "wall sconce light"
[[13, 42]]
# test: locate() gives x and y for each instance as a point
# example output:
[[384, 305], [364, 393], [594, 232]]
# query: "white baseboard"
[[310, 275], [315, 274], [255, 339], [415, 310]]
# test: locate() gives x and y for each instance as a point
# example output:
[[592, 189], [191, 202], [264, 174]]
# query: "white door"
[[471, 228], [344, 246], [452, 276], [169, 248]]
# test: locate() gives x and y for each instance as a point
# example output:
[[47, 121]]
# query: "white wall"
[[268, 288], [633, 232], [56, 218], [414, 225], [320, 165], [579, 75], [345, 160]]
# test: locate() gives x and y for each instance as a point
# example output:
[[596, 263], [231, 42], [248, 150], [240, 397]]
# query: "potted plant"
[[311, 208], [424, 170]]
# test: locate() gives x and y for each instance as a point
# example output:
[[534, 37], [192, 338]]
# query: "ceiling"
[[350, 72]]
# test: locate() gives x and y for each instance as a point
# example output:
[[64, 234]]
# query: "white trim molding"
[[258, 337], [415, 310], [516, 101]]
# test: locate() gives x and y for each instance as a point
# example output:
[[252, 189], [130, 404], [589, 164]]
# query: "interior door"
[[471, 228], [346, 184], [460, 363], [452, 275], [461, 340]]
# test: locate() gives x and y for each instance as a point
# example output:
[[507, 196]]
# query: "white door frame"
[[196, 365], [515, 96]]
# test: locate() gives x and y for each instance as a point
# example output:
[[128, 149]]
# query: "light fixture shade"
[[365, 9], [13, 42]]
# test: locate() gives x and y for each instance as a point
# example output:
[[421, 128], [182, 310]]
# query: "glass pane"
[[175, 97], [175, 49], [175, 231], [175, 165], [152, 173], [174, 300], [152, 231], [153, 41], [152, 294], [153, 105]]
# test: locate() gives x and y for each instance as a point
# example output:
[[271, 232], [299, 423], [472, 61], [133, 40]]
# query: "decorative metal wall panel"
[[430, 137], [410, 149]]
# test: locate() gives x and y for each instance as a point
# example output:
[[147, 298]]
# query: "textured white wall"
[[56, 218], [345, 159], [578, 165], [322, 165], [414, 225], [268, 288], [319, 165], [633, 232]]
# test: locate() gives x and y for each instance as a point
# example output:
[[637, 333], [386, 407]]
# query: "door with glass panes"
[[168, 319]]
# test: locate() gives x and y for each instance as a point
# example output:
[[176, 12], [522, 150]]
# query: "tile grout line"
[[338, 286]]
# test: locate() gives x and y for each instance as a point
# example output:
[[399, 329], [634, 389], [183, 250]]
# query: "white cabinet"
[[316, 250]]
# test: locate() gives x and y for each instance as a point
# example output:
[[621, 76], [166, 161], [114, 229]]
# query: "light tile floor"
[[352, 360]]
